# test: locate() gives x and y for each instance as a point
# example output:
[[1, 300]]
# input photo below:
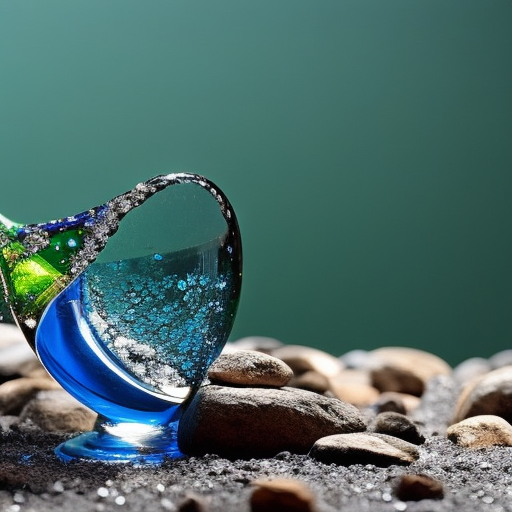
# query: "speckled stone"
[[364, 448], [260, 422], [480, 432], [250, 368]]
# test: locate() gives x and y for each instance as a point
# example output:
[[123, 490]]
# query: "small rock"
[[471, 368], [481, 432], [14, 356], [261, 422], [6, 422], [364, 448], [302, 359], [311, 381], [10, 334], [391, 401], [34, 369], [14, 394], [357, 360], [192, 503], [489, 394], [258, 343], [282, 495], [501, 359], [353, 386], [250, 368], [406, 370], [397, 425], [418, 487], [58, 411]]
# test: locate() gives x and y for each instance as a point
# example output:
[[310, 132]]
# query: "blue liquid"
[[133, 335], [70, 351], [68, 348], [132, 340]]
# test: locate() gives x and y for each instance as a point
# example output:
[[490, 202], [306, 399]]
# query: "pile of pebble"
[[264, 398]]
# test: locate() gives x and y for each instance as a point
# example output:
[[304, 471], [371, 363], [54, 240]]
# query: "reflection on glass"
[[127, 305]]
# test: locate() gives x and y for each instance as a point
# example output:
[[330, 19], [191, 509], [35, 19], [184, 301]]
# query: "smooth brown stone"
[[34, 369], [405, 370], [302, 359], [481, 432], [261, 422], [397, 425], [490, 394], [192, 503], [282, 495], [391, 401], [354, 386], [311, 381], [58, 411], [364, 448], [14, 394], [250, 368], [418, 487]]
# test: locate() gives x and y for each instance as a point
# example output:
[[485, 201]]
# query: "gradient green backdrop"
[[365, 145]]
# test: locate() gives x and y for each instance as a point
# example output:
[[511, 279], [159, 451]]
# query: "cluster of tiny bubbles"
[[161, 327]]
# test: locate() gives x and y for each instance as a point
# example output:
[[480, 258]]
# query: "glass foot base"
[[123, 443]]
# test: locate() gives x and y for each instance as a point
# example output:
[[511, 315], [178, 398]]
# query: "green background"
[[365, 145]]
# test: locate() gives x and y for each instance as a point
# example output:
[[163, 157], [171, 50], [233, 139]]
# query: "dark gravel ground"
[[32, 479]]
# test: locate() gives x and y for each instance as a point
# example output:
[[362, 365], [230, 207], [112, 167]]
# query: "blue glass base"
[[122, 443]]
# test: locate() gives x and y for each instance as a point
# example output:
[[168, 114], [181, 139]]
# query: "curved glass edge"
[[31, 274], [150, 446], [67, 348]]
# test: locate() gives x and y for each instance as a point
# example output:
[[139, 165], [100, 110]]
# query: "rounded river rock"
[[362, 448], [261, 422], [250, 368]]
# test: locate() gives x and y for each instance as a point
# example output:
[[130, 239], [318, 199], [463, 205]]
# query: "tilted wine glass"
[[127, 305]]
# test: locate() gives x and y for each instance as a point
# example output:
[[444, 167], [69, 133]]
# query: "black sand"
[[32, 478]]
